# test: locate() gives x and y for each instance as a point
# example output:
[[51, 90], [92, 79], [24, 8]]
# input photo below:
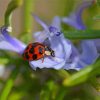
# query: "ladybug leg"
[[43, 60]]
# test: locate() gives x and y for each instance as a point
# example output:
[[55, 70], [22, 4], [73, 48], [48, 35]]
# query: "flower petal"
[[56, 22], [9, 43], [73, 23], [61, 46], [40, 36], [48, 63], [45, 27], [71, 63], [89, 54], [75, 19], [4, 45]]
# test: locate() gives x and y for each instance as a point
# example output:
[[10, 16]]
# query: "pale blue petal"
[[87, 56], [79, 12], [48, 63], [4, 45], [45, 27], [56, 22], [73, 64], [61, 47], [89, 52], [9, 43], [73, 23], [67, 48], [40, 36]]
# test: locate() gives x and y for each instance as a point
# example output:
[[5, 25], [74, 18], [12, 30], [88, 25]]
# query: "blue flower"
[[64, 49], [90, 48], [61, 46], [66, 55]]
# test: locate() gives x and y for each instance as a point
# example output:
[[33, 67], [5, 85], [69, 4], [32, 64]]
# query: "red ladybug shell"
[[34, 51]]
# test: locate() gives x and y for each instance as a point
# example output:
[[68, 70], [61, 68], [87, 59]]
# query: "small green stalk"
[[27, 20], [9, 84], [11, 7]]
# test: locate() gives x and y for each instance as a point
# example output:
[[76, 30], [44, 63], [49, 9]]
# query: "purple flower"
[[66, 55], [90, 48], [61, 46]]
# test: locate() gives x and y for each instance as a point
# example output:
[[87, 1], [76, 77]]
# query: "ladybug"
[[36, 51]]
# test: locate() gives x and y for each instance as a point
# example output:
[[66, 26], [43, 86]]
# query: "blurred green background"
[[18, 81]]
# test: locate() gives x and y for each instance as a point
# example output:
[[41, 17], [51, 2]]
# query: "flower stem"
[[87, 34], [83, 75], [9, 84], [27, 20], [11, 7]]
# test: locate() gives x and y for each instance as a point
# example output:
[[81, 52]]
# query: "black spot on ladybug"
[[40, 50], [34, 57], [26, 55], [31, 50]]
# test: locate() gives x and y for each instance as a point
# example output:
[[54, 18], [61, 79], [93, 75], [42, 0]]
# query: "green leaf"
[[83, 75], [86, 34]]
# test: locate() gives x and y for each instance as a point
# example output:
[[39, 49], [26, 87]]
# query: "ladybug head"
[[49, 51]]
